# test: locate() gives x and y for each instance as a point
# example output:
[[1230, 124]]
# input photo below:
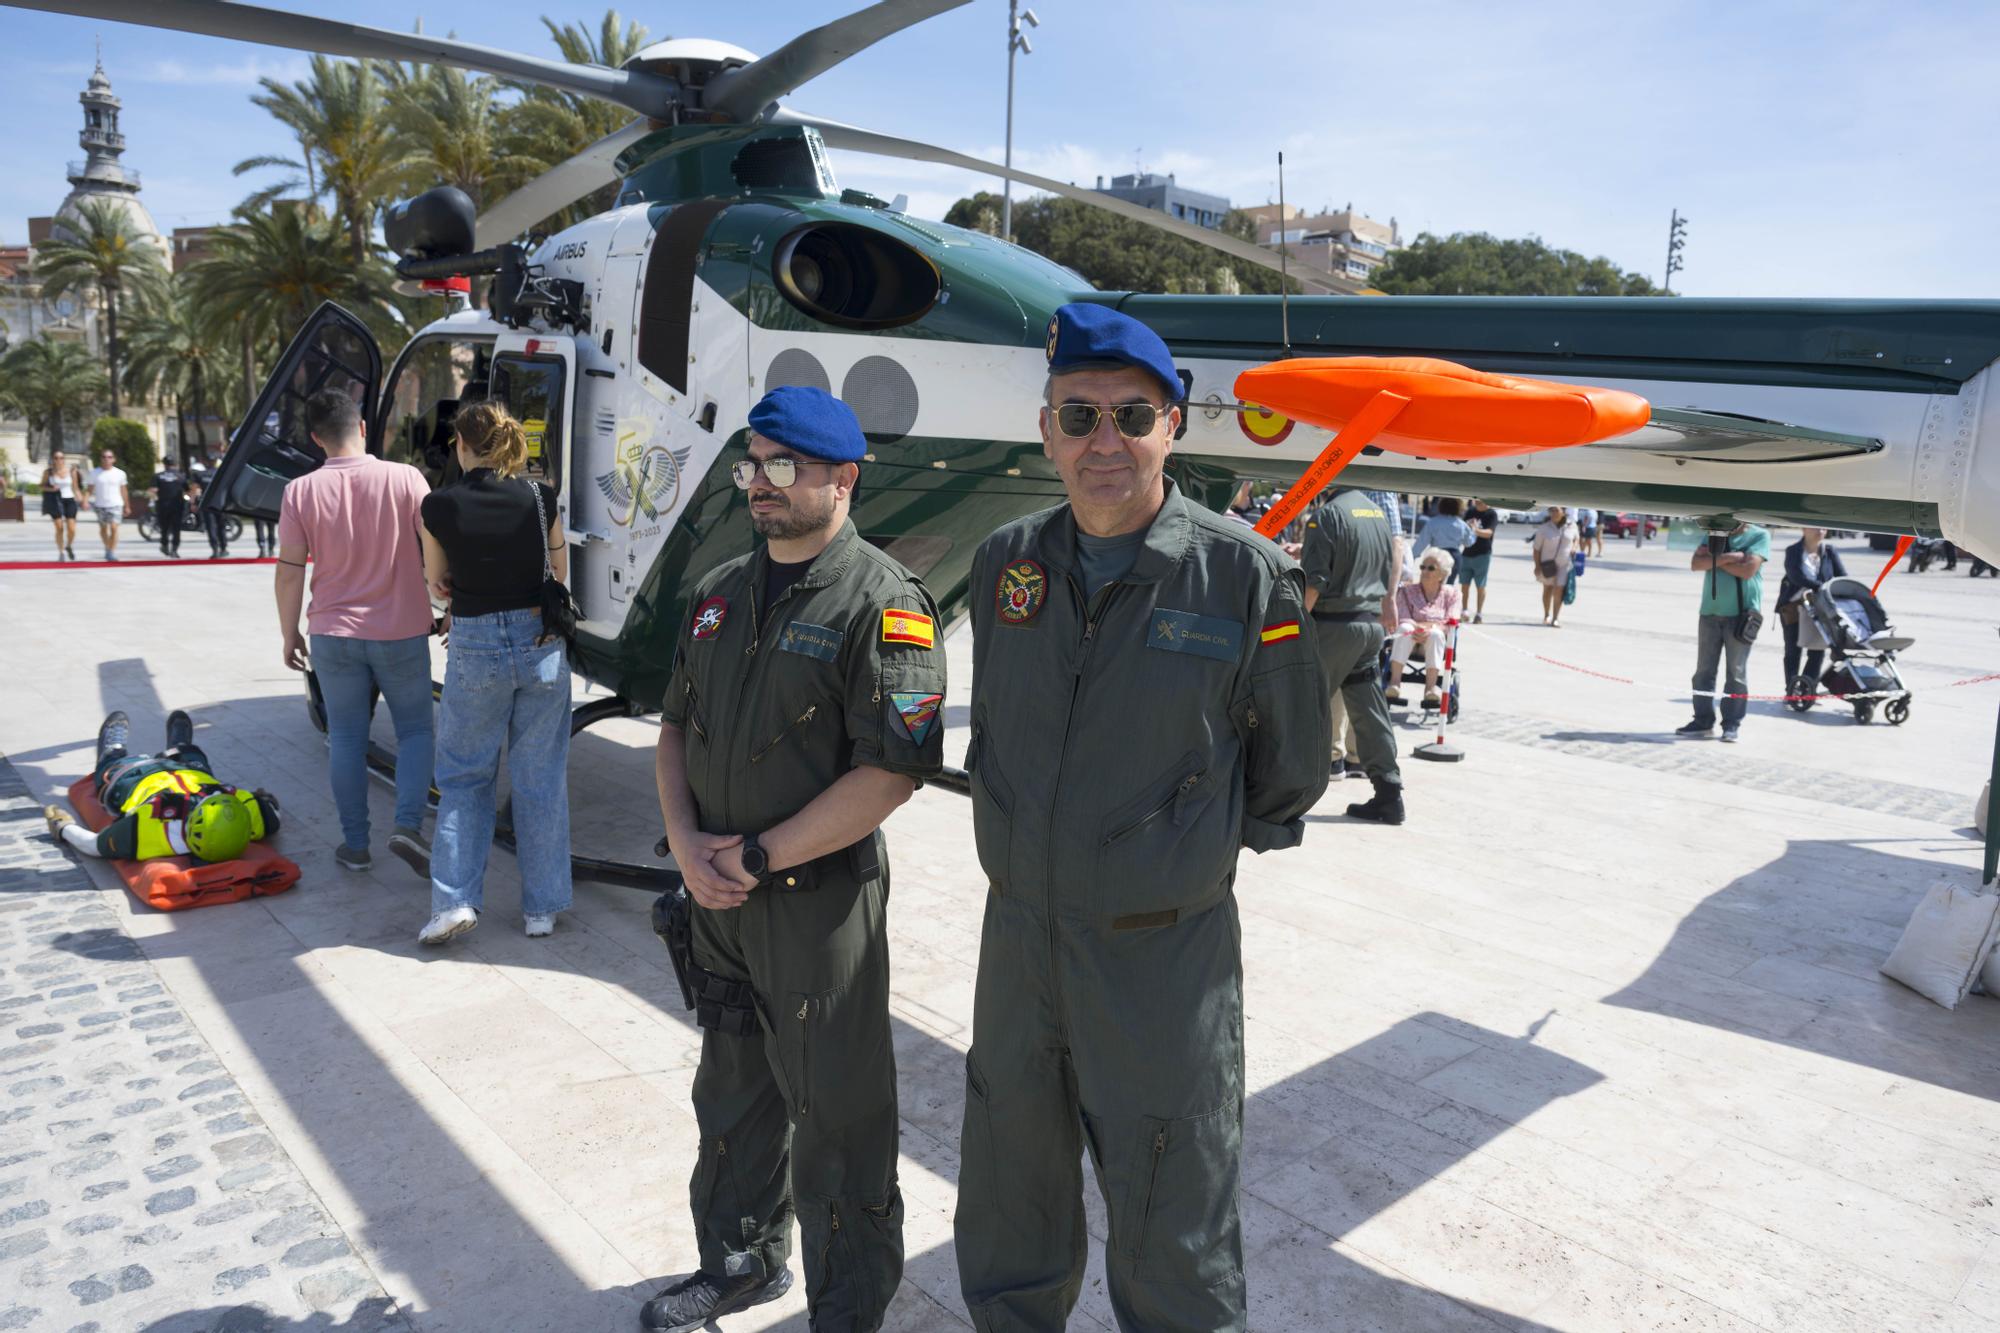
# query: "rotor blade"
[[859, 140], [557, 188], [648, 94], [743, 92]]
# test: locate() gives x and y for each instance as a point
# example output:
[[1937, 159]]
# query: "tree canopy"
[[1477, 264], [1115, 253]]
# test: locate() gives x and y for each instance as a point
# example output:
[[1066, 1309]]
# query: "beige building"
[[1346, 244]]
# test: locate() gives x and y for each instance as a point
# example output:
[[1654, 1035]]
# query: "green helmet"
[[219, 828]]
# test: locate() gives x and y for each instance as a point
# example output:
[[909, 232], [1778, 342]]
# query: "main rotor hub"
[[690, 61]]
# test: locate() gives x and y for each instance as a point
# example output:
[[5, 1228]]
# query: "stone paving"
[[138, 1189]]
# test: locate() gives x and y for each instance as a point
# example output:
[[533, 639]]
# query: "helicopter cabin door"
[[534, 376], [333, 350]]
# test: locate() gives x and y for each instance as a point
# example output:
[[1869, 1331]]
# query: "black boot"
[[1385, 807], [180, 729], [692, 1301], [112, 738]]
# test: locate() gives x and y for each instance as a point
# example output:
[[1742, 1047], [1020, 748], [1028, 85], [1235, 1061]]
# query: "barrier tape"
[[1711, 694]]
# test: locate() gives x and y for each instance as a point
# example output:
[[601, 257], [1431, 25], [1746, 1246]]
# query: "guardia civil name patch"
[[1186, 632], [915, 713], [812, 640], [908, 627]]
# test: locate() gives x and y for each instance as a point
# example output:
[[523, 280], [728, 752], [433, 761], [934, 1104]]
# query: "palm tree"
[[108, 254], [175, 355], [47, 381], [266, 275], [340, 116], [548, 126], [447, 125]]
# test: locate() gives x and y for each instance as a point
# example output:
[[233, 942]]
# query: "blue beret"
[[1083, 336], [811, 421]]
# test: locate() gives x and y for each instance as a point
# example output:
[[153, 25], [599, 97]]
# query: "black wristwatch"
[[756, 861]]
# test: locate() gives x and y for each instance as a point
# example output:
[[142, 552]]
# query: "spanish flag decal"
[[1284, 629], [915, 627]]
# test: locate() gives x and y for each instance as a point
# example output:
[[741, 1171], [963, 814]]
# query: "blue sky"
[[1820, 149]]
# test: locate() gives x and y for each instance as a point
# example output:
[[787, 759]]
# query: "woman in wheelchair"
[[1423, 610]]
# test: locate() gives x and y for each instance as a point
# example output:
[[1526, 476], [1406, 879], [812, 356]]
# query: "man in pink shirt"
[[370, 619]]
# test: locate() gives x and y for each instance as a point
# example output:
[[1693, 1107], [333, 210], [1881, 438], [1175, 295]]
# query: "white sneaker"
[[539, 926], [448, 925]]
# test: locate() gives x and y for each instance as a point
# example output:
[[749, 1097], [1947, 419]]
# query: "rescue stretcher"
[[171, 883]]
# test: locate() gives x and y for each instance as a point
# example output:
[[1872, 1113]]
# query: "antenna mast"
[[1284, 278]]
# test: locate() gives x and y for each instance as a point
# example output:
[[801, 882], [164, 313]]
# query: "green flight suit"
[[776, 704], [1121, 755], [1349, 553]]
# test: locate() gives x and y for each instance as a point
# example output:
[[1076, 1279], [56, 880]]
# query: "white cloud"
[[243, 73]]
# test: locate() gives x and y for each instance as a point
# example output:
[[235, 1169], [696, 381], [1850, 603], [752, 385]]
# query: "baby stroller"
[[1861, 647]]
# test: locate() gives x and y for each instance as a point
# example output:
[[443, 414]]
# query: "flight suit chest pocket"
[[1166, 846], [1179, 1222], [992, 805]]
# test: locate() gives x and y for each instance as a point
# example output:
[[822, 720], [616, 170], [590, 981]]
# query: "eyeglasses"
[[780, 472], [1135, 421]]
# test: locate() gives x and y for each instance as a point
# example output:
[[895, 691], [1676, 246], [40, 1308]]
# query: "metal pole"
[[1007, 182], [1284, 268], [1992, 829], [1673, 232]]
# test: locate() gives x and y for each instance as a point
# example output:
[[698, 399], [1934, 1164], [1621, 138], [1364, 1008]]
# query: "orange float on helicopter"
[[1430, 408]]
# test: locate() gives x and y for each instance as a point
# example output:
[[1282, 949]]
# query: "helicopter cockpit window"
[[855, 277], [425, 388], [531, 387]]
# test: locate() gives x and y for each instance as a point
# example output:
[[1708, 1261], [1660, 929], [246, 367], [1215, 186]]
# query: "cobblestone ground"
[[138, 1189]]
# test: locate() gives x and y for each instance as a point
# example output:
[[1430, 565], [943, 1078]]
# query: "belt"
[[1346, 617]]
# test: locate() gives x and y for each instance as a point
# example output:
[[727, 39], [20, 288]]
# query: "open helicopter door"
[[534, 376], [333, 350]]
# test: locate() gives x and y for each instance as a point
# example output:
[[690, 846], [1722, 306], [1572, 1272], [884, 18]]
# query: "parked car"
[[1624, 525]]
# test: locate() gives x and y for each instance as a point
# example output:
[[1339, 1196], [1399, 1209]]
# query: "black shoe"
[[692, 1301], [1695, 729], [1385, 807], [113, 736], [1729, 734], [180, 729], [1339, 769], [1355, 771]]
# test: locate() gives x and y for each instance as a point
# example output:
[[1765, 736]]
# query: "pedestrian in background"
[[1590, 532], [1809, 562], [169, 507], [487, 540], [1551, 547], [1731, 615], [1484, 520], [1445, 530], [109, 496], [1423, 611], [62, 484], [370, 620], [267, 537], [1347, 560]]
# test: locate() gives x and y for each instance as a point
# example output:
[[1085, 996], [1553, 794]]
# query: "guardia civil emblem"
[[644, 480], [1050, 348], [708, 618], [1022, 589]]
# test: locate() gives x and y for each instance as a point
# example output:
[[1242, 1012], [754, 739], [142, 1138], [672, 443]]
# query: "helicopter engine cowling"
[[434, 225]]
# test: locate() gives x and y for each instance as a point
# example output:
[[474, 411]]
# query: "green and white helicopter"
[[635, 343]]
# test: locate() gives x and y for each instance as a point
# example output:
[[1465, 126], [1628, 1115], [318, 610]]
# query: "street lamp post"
[[1017, 40], [1676, 242]]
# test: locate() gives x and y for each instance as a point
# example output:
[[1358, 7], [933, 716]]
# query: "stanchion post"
[[1440, 750]]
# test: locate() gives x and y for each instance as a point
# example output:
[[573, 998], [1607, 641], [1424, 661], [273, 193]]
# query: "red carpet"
[[156, 561]]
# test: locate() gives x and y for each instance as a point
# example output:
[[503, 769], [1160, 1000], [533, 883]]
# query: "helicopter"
[[633, 344]]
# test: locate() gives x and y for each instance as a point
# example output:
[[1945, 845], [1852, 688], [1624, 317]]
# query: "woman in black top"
[[487, 540]]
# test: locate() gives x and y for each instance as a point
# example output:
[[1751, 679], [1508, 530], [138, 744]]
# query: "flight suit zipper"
[[1152, 1183], [796, 723], [825, 1260], [1091, 617], [1175, 801], [805, 1059]]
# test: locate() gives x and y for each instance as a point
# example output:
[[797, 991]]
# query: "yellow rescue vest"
[[161, 802]]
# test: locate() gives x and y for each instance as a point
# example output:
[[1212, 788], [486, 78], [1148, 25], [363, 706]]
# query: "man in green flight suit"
[[1146, 702], [803, 709], [1348, 560]]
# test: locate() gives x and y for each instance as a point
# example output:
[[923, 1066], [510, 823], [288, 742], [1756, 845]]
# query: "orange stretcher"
[[170, 883]]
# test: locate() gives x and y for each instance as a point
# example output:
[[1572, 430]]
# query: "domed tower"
[[101, 176]]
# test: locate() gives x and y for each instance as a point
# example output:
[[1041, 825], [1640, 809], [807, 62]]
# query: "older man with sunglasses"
[[803, 709], [1146, 702]]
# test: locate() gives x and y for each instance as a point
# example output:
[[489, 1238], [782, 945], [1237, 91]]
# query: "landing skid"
[[630, 874]]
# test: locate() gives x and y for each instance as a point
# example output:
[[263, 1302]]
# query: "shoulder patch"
[[810, 640], [708, 618], [1020, 591], [915, 713], [1205, 636], [1283, 629], [908, 627]]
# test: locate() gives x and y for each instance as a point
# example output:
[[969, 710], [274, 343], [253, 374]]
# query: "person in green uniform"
[[802, 710], [165, 804], [1349, 560], [1145, 703]]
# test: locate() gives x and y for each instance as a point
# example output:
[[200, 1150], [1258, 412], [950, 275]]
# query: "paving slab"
[[1595, 1041]]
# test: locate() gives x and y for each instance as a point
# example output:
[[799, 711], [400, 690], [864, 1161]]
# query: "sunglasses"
[[1135, 421], [780, 472]]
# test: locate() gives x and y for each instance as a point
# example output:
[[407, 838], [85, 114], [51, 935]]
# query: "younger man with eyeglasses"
[[804, 707], [1145, 703]]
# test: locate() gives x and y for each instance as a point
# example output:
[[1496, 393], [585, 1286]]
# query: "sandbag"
[[1980, 807], [1948, 938]]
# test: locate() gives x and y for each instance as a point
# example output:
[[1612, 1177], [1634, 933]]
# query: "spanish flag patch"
[[1284, 629], [914, 627]]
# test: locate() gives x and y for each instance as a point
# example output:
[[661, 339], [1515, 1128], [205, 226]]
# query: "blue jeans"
[[1717, 645], [502, 686], [401, 669]]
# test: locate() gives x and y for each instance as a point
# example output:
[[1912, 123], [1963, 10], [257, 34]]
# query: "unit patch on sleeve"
[[915, 713], [908, 627], [708, 618], [1020, 592], [812, 640], [1204, 636], [1283, 629]]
